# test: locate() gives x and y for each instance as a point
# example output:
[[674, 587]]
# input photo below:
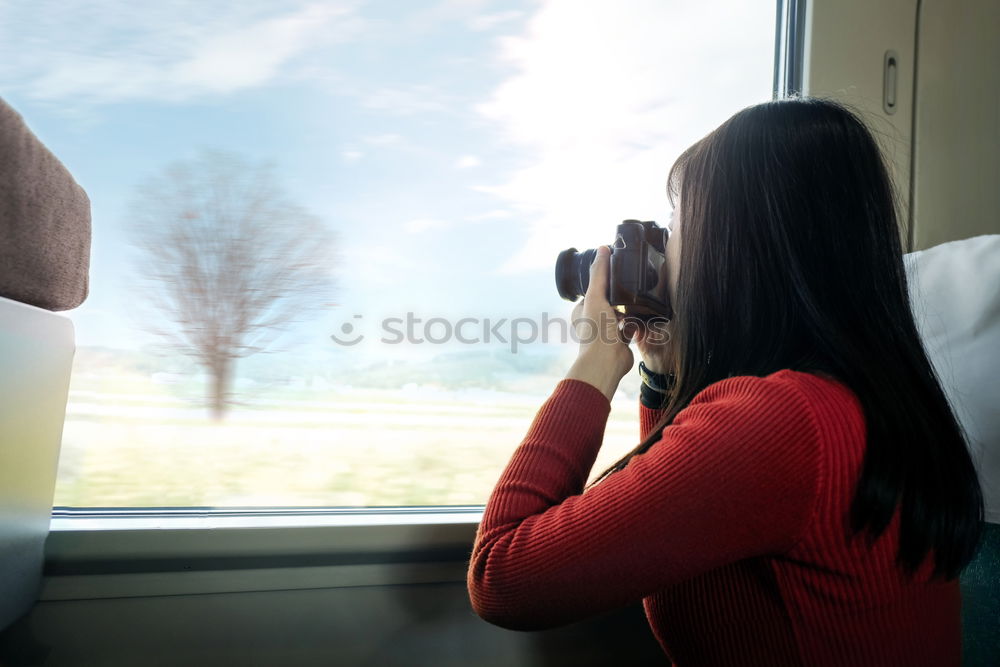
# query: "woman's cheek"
[[673, 265]]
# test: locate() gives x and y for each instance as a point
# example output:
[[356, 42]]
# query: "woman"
[[802, 494]]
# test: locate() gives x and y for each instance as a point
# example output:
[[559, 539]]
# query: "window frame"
[[135, 552], [789, 48], [96, 553]]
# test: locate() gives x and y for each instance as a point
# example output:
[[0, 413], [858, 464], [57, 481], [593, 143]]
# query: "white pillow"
[[955, 291]]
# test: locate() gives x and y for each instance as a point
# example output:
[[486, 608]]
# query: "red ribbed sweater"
[[732, 530]]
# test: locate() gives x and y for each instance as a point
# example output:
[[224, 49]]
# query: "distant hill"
[[532, 370]]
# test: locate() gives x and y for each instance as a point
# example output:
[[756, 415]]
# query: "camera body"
[[638, 276]]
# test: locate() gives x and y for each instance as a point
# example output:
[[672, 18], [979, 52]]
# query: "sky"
[[453, 146]]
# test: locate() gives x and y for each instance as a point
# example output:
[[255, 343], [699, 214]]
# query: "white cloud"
[[467, 162], [351, 155], [82, 51], [419, 225], [403, 100], [495, 214], [490, 21], [605, 95], [387, 139]]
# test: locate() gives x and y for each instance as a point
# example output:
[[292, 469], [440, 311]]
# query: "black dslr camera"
[[638, 277]]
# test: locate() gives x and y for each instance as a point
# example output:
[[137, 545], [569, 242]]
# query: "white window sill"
[[169, 518], [136, 553]]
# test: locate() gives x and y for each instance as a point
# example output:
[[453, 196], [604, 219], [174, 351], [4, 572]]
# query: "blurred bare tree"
[[225, 262]]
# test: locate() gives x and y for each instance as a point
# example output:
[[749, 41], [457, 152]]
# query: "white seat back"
[[955, 290], [36, 355]]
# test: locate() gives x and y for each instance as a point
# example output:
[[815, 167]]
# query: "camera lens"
[[573, 272]]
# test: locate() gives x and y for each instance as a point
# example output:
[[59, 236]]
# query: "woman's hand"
[[653, 339], [604, 356]]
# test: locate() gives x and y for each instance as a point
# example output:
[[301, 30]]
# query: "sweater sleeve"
[[734, 476], [648, 418]]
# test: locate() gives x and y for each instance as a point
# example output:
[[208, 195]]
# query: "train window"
[[324, 233]]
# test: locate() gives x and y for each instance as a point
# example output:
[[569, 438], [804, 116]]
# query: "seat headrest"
[[955, 291], [44, 222]]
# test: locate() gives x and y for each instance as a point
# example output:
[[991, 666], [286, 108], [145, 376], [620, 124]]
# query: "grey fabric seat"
[[981, 603], [44, 222]]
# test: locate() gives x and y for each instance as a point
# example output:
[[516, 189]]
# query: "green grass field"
[[130, 442]]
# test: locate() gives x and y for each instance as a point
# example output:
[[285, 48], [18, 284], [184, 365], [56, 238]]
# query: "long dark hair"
[[791, 258]]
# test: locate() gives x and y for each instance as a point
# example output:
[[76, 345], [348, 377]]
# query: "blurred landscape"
[[139, 433], [307, 169]]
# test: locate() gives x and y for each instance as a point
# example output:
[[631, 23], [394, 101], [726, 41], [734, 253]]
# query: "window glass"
[[324, 232]]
